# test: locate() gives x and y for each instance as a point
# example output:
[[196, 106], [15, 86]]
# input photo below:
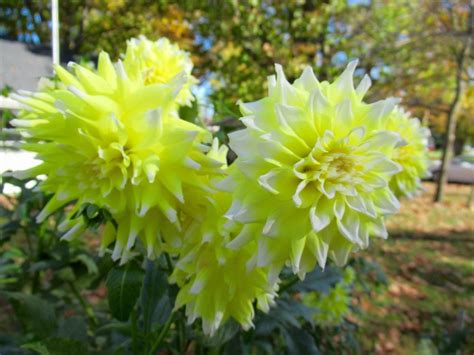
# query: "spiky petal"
[[314, 165], [109, 138]]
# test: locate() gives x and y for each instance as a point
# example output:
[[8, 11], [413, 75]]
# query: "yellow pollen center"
[[156, 75], [337, 166]]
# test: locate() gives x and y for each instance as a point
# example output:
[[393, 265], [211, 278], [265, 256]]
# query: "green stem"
[[147, 310], [199, 349], [28, 242], [32, 257], [86, 306], [36, 276], [181, 335], [134, 330], [162, 334]]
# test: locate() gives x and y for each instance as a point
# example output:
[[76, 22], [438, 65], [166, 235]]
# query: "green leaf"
[[44, 265], [265, 347], [36, 315], [7, 280], [8, 230], [189, 113], [223, 334], [66, 274], [39, 347], [163, 310], [73, 328], [88, 262], [295, 308], [117, 327], [124, 285], [92, 211], [236, 345], [266, 324], [154, 289], [298, 341], [58, 346], [288, 313], [319, 280], [104, 265]]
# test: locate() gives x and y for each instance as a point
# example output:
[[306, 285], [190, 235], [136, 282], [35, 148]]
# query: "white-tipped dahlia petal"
[[349, 227], [344, 114], [318, 221], [297, 249], [324, 160], [345, 81], [217, 283], [379, 229], [363, 86], [340, 254], [380, 111], [307, 81], [112, 138]]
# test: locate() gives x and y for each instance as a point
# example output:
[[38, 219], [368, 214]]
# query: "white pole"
[[55, 28]]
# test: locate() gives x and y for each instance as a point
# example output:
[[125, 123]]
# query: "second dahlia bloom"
[[110, 139], [216, 281], [411, 156], [314, 165], [158, 62]]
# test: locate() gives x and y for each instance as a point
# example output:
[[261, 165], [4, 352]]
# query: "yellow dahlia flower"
[[158, 62], [412, 156], [216, 281], [314, 165], [108, 138]]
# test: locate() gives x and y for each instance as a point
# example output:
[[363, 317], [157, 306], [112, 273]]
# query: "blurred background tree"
[[410, 49], [88, 26], [241, 41]]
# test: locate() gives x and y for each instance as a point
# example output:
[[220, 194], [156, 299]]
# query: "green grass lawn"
[[429, 262]]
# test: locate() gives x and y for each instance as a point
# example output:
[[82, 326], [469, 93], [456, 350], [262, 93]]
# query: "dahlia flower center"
[[156, 75], [328, 170], [114, 155], [111, 164], [335, 166], [405, 155]]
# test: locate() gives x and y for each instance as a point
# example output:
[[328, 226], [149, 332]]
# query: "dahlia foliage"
[[318, 171]]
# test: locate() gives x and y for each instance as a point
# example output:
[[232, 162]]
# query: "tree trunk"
[[449, 140], [453, 110]]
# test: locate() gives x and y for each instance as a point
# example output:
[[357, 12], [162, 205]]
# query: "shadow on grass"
[[452, 237]]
